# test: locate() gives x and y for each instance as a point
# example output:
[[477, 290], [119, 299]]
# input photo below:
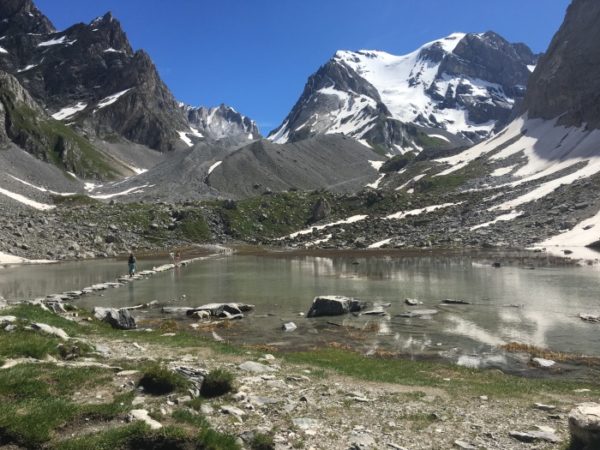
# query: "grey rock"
[[289, 326], [584, 425], [120, 319], [254, 367], [334, 305]]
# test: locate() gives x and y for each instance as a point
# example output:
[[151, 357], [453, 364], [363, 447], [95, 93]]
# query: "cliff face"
[[566, 82]]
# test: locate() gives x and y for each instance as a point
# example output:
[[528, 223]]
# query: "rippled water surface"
[[533, 306]]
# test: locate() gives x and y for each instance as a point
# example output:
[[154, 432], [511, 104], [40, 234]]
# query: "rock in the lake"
[[334, 305], [590, 318], [543, 363], [412, 302], [223, 310], [450, 301], [120, 319], [289, 326], [584, 426], [419, 313]]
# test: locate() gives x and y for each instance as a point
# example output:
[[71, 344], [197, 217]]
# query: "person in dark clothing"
[[132, 264]]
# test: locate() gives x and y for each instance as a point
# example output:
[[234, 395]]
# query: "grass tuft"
[[218, 382], [158, 380]]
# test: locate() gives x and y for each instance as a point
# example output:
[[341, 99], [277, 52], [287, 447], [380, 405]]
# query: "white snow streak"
[[119, 194], [380, 243], [69, 111], [504, 217], [111, 99], [60, 40], [27, 201], [417, 212], [185, 138], [3, 50], [214, 166], [352, 219]]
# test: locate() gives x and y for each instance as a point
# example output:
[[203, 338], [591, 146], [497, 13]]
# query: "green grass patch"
[[218, 382], [36, 402], [158, 380], [190, 418], [74, 200], [262, 441], [463, 381]]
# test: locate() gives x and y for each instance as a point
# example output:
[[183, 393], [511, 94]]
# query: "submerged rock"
[[222, 310], [590, 318], [419, 313], [450, 301], [334, 305], [584, 425], [120, 319]]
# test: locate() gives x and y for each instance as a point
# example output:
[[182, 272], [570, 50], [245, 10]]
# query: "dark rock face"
[[90, 77], [320, 211], [566, 82], [480, 74], [120, 319], [24, 123], [22, 16]]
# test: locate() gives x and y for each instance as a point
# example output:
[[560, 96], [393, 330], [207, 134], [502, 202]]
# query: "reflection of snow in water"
[[463, 327]]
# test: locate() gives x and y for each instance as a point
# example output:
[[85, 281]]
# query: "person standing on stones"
[[132, 264]]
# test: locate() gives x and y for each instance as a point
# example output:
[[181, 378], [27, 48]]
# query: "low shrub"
[[218, 382], [158, 380]]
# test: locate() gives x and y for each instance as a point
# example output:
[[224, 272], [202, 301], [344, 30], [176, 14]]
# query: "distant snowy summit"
[[450, 92]]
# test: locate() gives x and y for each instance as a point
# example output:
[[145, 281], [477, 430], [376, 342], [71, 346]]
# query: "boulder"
[[289, 326], [590, 318], [223, 310], [584, 426], [120, 319], [254, 367], [543, 363], [143, 416], [334, 305]]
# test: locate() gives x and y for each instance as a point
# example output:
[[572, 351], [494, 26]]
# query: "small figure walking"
[[132, 264]]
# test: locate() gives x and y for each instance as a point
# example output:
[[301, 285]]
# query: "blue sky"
[[256, 55]]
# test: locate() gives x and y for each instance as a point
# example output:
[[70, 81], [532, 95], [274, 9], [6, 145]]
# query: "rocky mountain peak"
[[221, 122], [22, 16], [566, 82]]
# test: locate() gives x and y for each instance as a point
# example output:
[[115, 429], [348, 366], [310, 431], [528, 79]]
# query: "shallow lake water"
[[509, 304]]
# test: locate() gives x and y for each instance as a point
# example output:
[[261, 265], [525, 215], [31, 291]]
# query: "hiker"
[[132, 263]]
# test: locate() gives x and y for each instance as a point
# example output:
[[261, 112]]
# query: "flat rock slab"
[[143, 416], [450, 301], [535, 436], [53, 331], [223, 310], [254, 367], [334, 305], [305, 423]]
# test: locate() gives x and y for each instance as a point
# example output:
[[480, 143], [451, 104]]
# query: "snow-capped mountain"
[[220, 122], [457, 90]]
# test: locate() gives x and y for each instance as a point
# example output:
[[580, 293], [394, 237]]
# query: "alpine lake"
[[526, 300]]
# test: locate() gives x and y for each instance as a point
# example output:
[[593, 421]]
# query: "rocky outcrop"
[[566, 82], [24, 123], [221, 122]]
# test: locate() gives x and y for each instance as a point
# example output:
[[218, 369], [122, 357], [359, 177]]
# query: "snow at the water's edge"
[[6, 259]]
